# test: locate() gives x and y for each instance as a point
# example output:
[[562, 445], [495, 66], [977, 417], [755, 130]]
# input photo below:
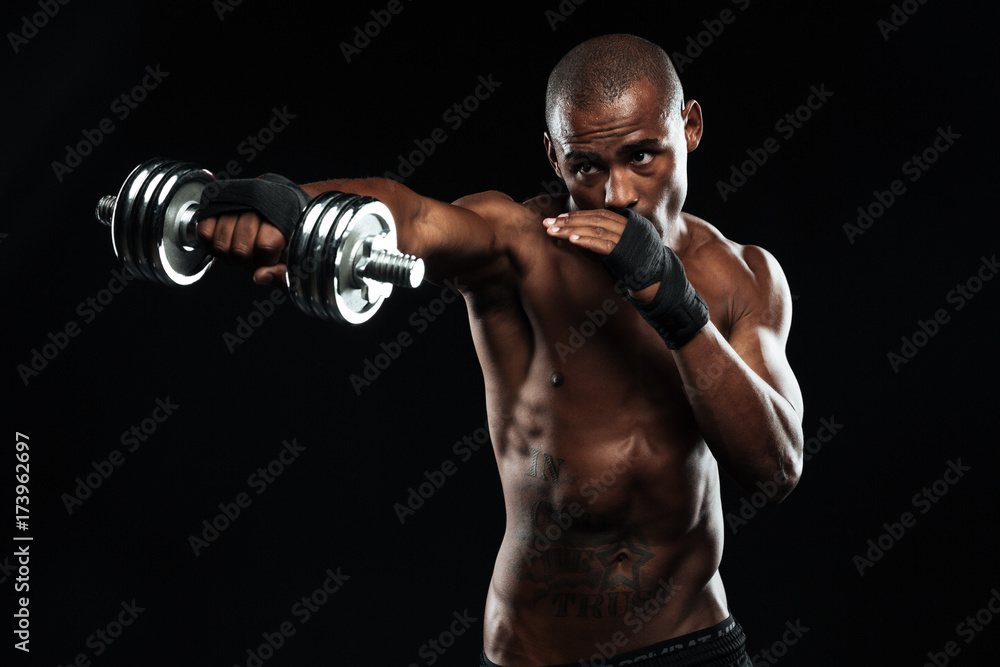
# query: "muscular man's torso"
[[614, 524]]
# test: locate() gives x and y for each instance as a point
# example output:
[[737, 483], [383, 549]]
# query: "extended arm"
[[451, 239]]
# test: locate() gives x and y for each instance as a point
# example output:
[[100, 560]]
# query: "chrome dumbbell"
[[342, 260]]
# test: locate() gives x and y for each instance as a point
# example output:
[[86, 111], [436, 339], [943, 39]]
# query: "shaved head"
[[601, 70]]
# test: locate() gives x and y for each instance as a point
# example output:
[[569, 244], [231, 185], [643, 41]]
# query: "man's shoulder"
[[706, 248], [516, 226], [492, 204], [501, 208], [727, 269]]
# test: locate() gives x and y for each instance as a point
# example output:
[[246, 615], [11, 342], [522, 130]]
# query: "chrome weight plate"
[[175, 254]]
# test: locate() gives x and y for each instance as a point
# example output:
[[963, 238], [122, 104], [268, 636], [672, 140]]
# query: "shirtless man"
[[616, 383]]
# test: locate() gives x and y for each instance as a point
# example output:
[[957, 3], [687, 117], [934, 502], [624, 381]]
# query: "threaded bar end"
[[106, 209], [394, 268]]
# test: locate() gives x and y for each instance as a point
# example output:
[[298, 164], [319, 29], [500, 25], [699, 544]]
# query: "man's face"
[[630, 154]]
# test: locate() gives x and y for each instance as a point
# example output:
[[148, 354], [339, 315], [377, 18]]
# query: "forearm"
[[754, 431], [454, 241], [405, 205], [744, 395]]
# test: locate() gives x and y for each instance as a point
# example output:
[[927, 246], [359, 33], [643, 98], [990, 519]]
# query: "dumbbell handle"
[[384, 266]]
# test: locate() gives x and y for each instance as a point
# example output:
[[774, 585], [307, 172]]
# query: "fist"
[[246, 241]]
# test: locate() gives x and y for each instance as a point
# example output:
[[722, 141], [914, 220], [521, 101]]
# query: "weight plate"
[[356, 299], [294, 277], [325, 252], [174, 203], [122, 220], [305, 253], [140, 222], [337, 232]]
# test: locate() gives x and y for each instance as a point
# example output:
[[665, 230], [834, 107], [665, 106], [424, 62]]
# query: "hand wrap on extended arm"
[[677, 312], [278, 200]]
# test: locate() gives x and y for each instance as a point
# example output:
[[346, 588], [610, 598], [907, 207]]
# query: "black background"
[[333, 507]]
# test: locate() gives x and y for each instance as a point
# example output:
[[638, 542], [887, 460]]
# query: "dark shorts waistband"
[[721, 645]]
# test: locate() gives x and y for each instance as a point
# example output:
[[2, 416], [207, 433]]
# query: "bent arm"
[[745, 397]]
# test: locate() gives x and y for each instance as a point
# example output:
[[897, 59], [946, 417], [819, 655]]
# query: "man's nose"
[[619, 191]]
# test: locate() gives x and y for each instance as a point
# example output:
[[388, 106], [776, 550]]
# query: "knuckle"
[[270, 239], [242, 250], [220, 244], [248, 218], [269, 248]]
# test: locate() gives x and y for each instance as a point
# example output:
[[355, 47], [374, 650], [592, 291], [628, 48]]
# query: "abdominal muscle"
[[614, 518], [614, 522]]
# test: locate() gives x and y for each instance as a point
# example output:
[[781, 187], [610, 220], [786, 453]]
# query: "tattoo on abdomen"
[[583, 565], [550, 464]]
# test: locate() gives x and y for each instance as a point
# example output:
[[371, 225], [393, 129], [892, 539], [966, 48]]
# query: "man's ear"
[[550, 152], [693, 124]]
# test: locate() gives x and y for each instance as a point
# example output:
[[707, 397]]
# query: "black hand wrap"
[[278, 200], [677, 312]]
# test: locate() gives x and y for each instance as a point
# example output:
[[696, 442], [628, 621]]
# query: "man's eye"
[[586, 168], [642, 157]]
